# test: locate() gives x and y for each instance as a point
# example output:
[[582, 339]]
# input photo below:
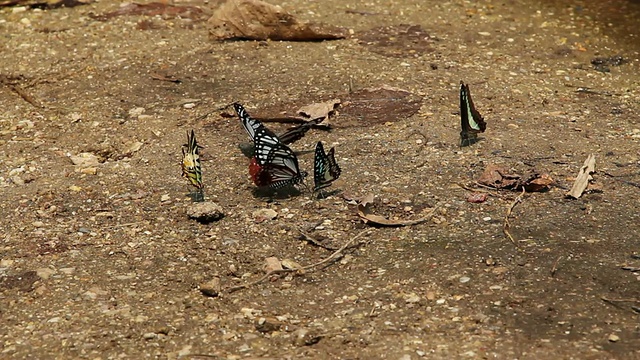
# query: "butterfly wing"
[[266, 143], [191, 168], [264, 139], [251, 125], [471, 120], [325, 167], [282, 165], [296, 133]]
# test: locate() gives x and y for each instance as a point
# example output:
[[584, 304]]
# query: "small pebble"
[[268, 324], [487, 218], [211, 288], [261, 215], [272, 264], [465, 279], [614, 338], [412, 298], [136, 111], [205, 212]]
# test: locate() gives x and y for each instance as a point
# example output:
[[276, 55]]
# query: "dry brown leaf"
[[477, 198], [320, 110], [538, 183], [367, 199], [258, 20], [582, 180], [496, 177], [368, 218]]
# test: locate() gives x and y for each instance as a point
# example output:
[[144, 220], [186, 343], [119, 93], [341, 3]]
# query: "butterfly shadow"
[[470, 141], [273, 194], [322, 194], [196, 195]]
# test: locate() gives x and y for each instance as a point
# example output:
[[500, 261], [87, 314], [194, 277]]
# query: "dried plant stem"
[[506, 225]]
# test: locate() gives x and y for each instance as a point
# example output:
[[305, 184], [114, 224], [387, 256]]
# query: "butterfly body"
[[325, 167], [191, 168], [472, 122]]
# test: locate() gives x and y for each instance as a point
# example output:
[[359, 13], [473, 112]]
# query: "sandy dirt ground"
[[100, 261]]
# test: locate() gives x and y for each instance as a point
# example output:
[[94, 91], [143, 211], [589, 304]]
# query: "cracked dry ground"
[[105, 263]]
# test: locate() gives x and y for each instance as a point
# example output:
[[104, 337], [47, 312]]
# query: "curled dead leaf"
[[258, 20], [364, 212], [320, 110], [497, 177], [477, 198], [538, 183]]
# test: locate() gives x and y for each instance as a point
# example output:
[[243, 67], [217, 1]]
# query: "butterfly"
[[281, 168], [274, 164], [471, 120], [253, 126], [191, 168], [273, 176], [325, 167]]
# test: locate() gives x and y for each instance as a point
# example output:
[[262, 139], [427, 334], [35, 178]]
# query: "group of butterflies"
[[274, 165]]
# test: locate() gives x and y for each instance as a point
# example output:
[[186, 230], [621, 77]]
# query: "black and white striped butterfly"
[[471, 121], [325, 167], [277, 165], [282, 167], [252, 126]]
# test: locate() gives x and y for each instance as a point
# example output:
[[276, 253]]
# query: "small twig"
[[23, 94], [284, 271], [372, 313], [282, 120], [615, 302], [314, 241], [630, 268], [358, 12], [506, 225], [493, 192], [555, 266], [125, 224]]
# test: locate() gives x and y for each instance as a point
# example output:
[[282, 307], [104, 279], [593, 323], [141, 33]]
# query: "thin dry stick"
[[491, 191], [314, 241], [555, 266], [615, 302], [284, 271], [506, 225]]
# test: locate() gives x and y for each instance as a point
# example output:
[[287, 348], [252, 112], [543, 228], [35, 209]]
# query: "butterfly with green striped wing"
[[325, 167], [471, 121]]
